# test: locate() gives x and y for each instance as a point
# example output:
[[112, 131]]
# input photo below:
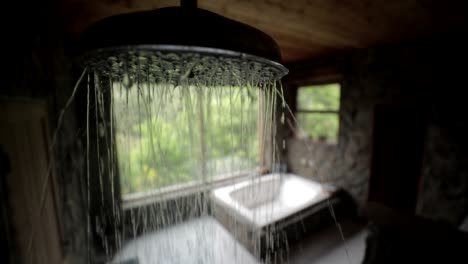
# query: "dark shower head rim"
[[104, 54], [182, 28]]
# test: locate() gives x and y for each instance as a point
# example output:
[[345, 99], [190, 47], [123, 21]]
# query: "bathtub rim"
[[233, 208]]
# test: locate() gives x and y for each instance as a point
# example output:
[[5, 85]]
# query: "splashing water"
[[163, 130]]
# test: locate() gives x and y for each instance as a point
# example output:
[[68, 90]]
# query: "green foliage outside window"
[[177, 135], [317, 112]]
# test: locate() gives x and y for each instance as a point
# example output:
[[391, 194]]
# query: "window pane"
[[318, 126], [319, 97], [169, 135]]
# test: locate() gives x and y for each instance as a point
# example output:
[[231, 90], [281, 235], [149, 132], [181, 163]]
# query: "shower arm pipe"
[[189, 3]]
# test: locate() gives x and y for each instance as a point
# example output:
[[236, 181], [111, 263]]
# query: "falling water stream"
[[163, 125], [174, 124]]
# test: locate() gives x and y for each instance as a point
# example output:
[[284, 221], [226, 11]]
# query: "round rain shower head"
[[182, 42]]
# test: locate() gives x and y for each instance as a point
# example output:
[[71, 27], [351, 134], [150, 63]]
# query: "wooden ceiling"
[[305, 29]]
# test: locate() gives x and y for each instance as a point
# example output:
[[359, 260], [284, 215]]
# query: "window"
[[318, 112], [169, 137]]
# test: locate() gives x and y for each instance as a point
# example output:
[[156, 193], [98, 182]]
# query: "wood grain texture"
[[24, 138], [304, 29]]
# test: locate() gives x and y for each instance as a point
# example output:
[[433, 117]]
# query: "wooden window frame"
[[186, 189]]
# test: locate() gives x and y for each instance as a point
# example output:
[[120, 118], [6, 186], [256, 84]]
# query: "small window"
[[317, 112]]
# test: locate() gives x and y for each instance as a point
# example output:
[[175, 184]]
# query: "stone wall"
[[423, 74], [444, 187]]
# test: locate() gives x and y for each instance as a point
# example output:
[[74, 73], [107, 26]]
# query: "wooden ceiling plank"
[[278, 19]]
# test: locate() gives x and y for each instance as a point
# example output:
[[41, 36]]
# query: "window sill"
[[307, 140], [140, 199]]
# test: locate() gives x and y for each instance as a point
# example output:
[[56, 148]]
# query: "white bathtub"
[[269, 198]]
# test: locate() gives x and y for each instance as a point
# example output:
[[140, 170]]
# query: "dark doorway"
[[397, 153]]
